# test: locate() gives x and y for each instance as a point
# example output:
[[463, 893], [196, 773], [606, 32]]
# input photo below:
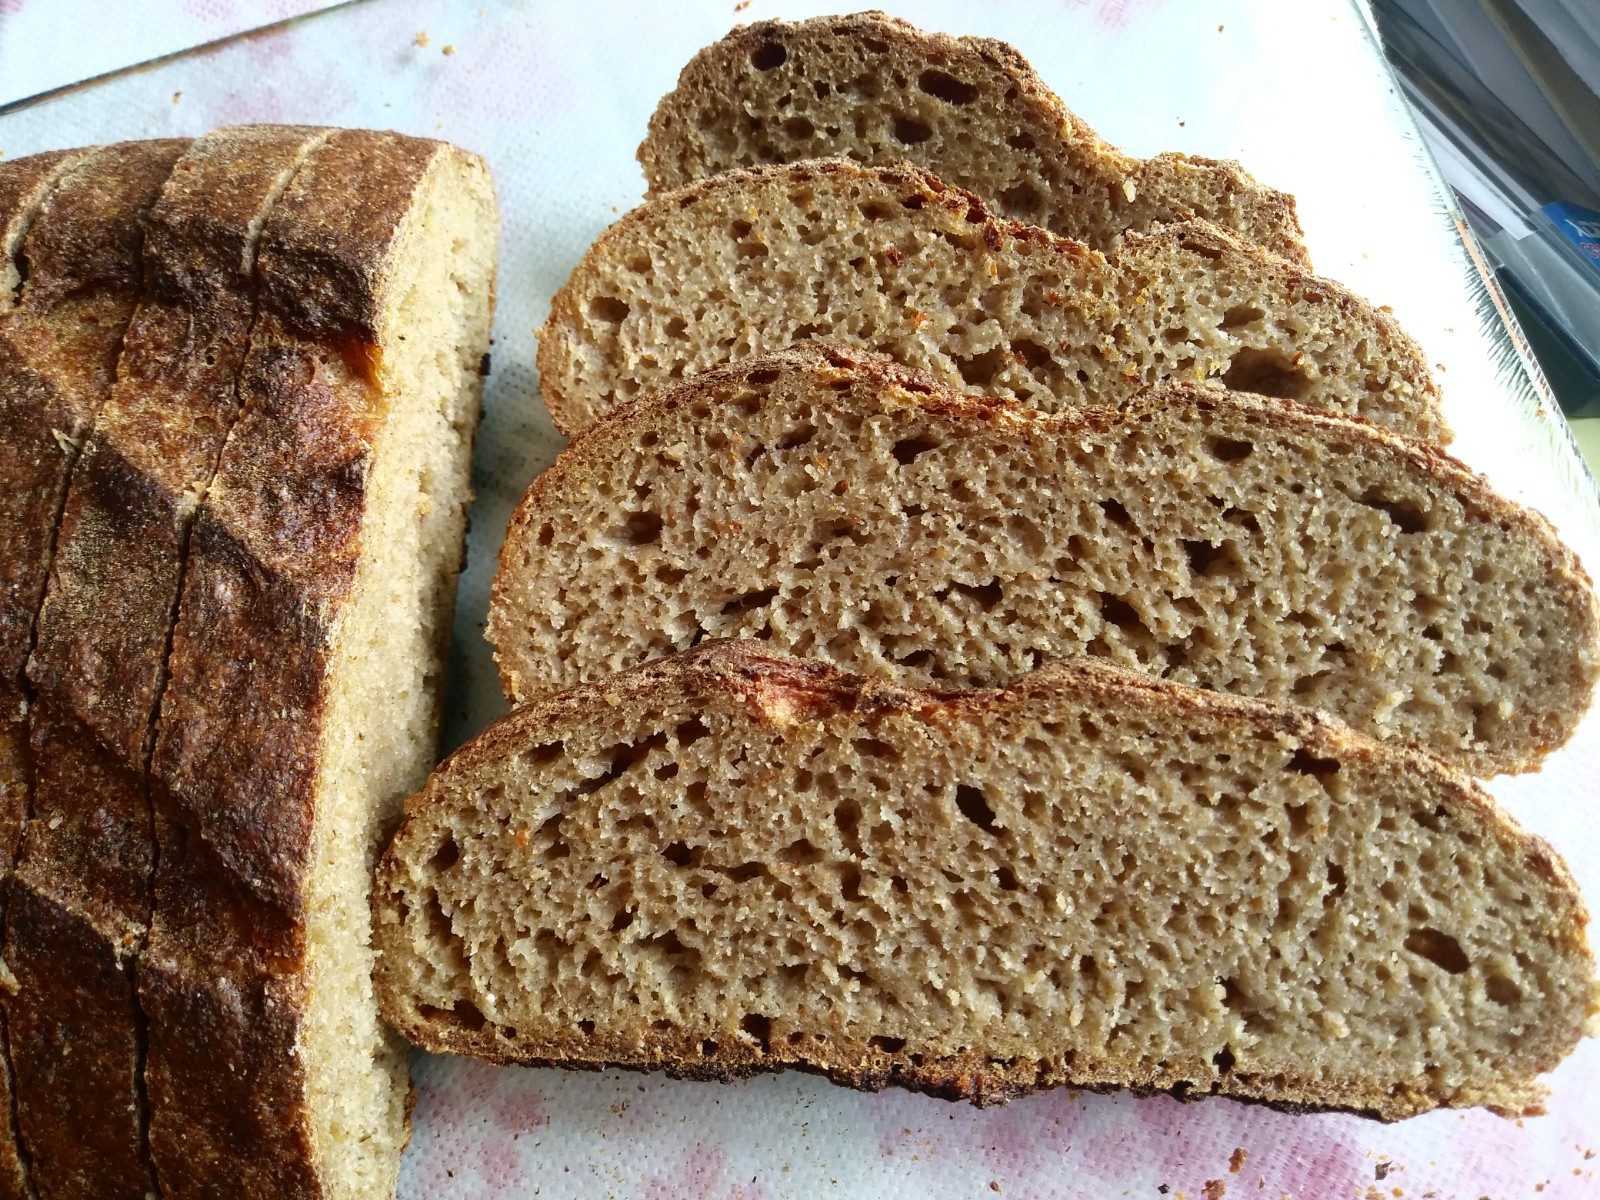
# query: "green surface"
[[1588, 431]]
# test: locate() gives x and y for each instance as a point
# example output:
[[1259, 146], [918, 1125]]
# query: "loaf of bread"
[[971, 110], [305, 675], [72, 277], [843, 508], [890, 259], [80, 908], [726, 862]]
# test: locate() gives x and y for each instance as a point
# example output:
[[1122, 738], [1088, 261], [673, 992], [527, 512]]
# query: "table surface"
[[556, 96]]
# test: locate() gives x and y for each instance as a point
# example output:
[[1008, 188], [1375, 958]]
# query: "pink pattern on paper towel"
[[10, 7], [698, 1175], [1112, 16]]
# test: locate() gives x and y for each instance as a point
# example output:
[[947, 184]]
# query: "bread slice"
[[25, 546], [838, 506], [877, 89], [81, 902], [73, 281], [305, 674], [727, 862], [890, 259]]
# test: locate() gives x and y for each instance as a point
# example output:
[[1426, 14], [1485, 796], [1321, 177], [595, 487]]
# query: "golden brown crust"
[[272, 560], [689, 124], [83, 253], [774, 691], [97, 666], [24, 185]]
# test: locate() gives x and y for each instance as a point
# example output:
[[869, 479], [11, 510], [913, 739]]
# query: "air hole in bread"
[[1117, 611], [1267, 373], [1406, 513], [796, 438], [768, 56], [800, 853], [1241, 315], [1022, 198], [799, 129], [1299, 819], [1115, 513], [608, 309], [1228, 449], [1005, 879], [1223, 1061], [850, 882], [888, 1045], [877, 210], [974, 806], [946, 87], [1502, 991], [873, 748], [463, 1014], [622, 920], [446, 856], [984, 595], [1032, 355], [1203, 556], [641, 529], [1439, 948], [980, 370], [677, 327], [1309, 764], [1336, 883], [907, 450], [740, 605], [679, 854], [910, 132], [759, 1029]]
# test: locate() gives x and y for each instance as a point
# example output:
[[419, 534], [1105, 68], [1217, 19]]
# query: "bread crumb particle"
[[176, 96], [422, 38], [447, 50], [1236, 1160]]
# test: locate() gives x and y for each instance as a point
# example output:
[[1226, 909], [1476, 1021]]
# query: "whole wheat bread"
[[844, 508], [971, 110], [305, 675], [81, 903], [891, 259], [727, 862], [79, 235], [27, 520]]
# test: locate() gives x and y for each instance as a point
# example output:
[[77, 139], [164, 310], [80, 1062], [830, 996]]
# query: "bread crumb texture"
[[727, 862], [891, 259], [839, 507], [877, 89]]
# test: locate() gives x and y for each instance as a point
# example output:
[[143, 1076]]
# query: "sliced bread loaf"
[[305, 675], [74, 276], [890, 259], [727, 862], [877, 89], [25, 543], [81, 903], [841, 507]]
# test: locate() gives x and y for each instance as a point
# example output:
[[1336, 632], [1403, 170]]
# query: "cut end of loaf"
[[726, 862], [382, 728]]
